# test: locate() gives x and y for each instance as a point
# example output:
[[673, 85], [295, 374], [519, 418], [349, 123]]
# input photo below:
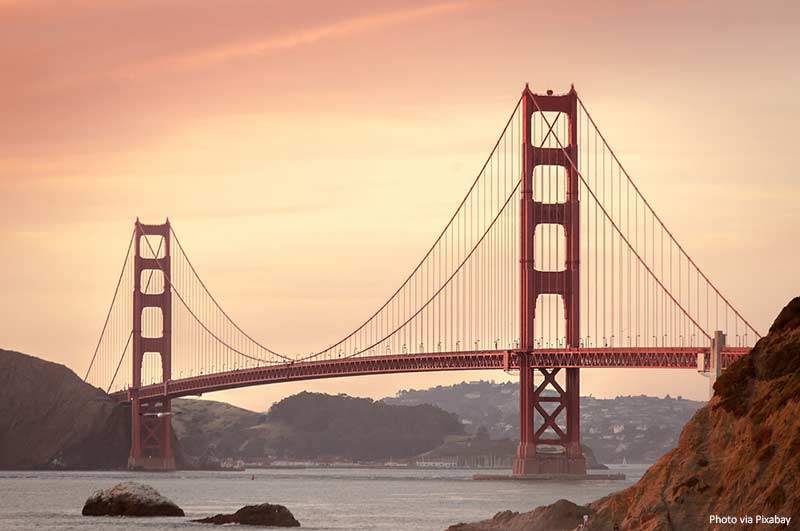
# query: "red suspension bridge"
[[553, 261]]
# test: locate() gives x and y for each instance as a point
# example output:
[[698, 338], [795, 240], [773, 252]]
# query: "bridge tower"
[[530, 458], [151, 422]]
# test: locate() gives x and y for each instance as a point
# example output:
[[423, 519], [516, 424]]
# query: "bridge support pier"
[[151, 436], [151, 421], [715, 360], [549, 446]]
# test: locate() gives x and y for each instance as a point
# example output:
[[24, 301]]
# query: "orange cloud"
[[336, 30]]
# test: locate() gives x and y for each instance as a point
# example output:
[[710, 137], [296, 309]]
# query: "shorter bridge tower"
[[151, 421]]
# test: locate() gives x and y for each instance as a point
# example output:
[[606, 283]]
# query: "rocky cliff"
[[50, 418], [738, 456]]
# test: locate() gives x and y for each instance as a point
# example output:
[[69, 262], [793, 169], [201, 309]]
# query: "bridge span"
[[552, 262], [508, 360]]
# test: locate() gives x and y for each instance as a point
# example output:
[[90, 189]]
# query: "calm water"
[[323, 500]]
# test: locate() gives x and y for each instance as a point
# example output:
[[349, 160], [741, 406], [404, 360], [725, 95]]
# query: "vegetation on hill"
[[359, 428], [310, 426], [209, 430], [50, 418]]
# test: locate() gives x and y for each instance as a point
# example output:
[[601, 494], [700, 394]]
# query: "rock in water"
[[265, 515], [130, 499]]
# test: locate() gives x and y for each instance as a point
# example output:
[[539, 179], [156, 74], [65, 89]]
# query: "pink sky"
[[273, 133]]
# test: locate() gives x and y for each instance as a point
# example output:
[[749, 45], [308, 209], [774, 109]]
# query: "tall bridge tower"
[[151, 426], [534, 282]]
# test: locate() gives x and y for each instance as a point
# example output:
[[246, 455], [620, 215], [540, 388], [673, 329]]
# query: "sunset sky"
[[308, 152]]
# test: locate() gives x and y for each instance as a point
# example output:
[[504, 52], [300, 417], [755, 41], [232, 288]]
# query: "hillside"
[[310, 426], [739, 455], [50, 418], [208, 431], [359, 428], [639, 429]]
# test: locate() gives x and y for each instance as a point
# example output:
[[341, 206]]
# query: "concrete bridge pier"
[[715, 360]]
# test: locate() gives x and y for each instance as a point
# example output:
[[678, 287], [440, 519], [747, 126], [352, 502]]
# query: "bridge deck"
[[644, 358]]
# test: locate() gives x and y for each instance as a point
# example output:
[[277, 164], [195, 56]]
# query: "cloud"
[[306, 37]]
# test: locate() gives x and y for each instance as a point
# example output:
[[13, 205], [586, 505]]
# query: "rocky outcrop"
[[130, 499], [563, 515], [739, 455], [50, 418], [265, 514]]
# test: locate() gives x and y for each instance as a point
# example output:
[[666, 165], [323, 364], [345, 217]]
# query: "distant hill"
[[313, 425], [309, 426], [51, 419], [73, 425], [639, 429], [360, 428], [209, 430]]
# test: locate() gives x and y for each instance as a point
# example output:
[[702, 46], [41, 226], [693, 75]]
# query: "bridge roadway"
[[604, 358]]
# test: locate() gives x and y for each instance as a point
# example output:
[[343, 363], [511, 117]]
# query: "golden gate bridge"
[[553, 261]]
